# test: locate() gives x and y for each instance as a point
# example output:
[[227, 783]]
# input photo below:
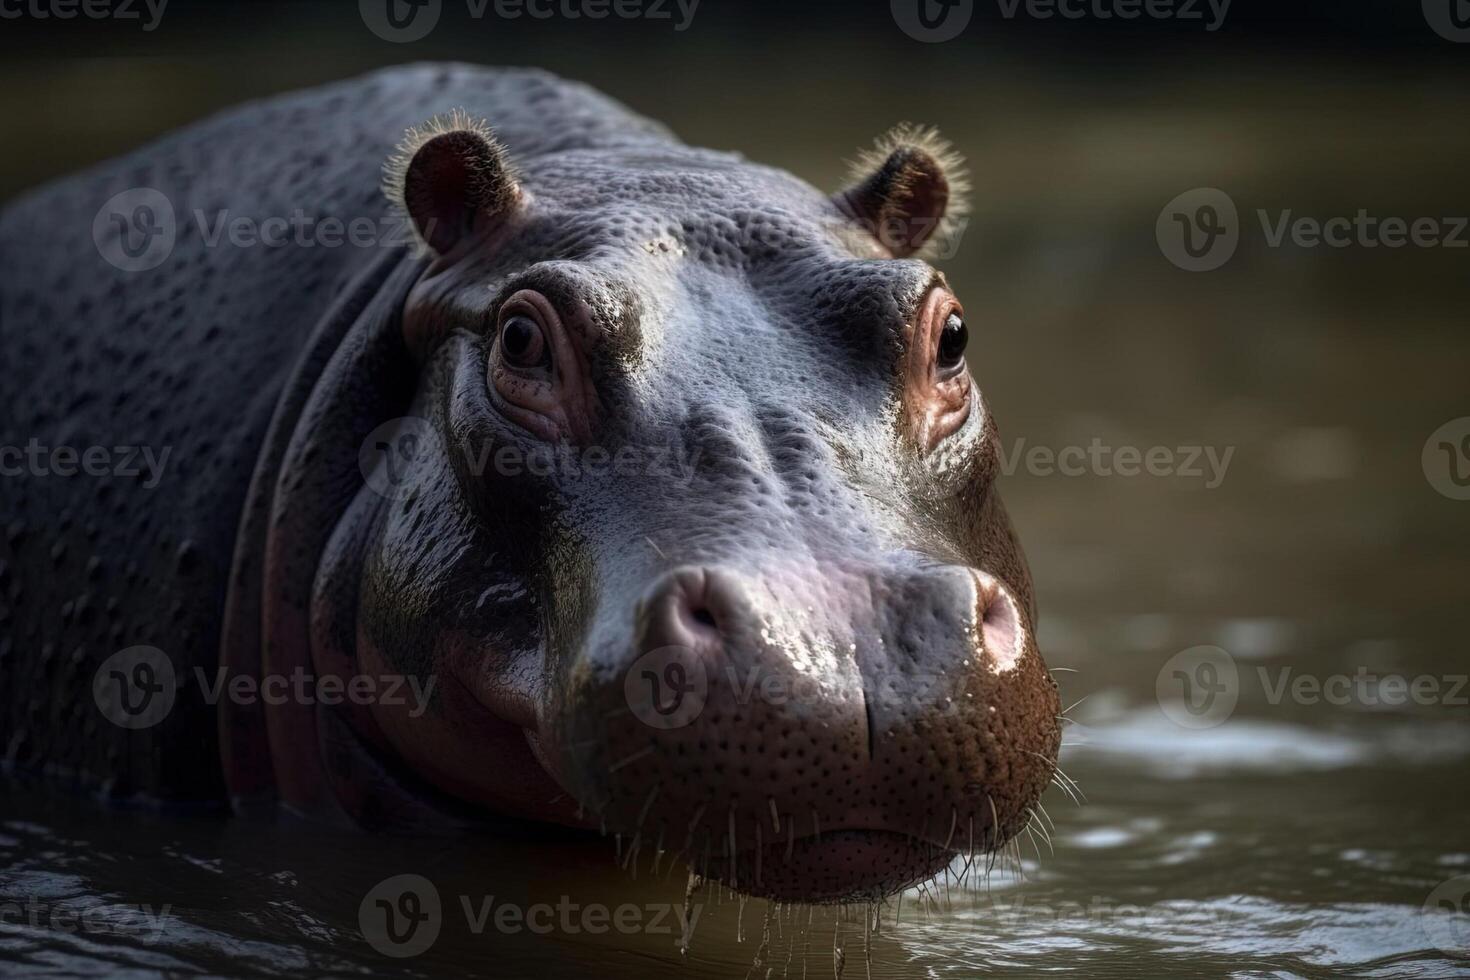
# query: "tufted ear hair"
[[908, 191], [451, 177]]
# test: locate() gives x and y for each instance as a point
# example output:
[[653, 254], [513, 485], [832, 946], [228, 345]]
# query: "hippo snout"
[[814, 731]]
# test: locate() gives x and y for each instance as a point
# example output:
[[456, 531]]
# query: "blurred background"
[[1311, 520]]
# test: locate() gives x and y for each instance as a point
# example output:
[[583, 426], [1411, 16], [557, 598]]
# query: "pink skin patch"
[[1000, 623]]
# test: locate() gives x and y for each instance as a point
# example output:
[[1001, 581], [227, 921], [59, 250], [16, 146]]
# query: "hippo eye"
[[938, 388], [521, 341], [953, 340]]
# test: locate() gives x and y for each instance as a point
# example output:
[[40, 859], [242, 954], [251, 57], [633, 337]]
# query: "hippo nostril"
[[685, 609], [697, 618], [1000, 623]]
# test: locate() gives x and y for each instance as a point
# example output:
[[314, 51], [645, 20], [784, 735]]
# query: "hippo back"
[[136, 394]]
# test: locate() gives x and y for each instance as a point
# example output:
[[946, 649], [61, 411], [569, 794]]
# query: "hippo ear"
[[908, 191], [452, 178]]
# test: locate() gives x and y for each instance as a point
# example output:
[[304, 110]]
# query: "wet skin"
[[697, 531]]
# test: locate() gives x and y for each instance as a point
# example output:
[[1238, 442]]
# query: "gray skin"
[[721, 569]]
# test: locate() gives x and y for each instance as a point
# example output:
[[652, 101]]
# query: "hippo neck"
[[302, 508]]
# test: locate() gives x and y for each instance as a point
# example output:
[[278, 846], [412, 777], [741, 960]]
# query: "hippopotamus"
[[452, 448]]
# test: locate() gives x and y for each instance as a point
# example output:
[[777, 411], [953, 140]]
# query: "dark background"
[[81, 89]]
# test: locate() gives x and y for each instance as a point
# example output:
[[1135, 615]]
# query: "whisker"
[[1058, 770], [994, 837], [694, 824], [632, 852], [1032, 835], [734, 883], [1066, 789], [1073, 783], [643, 814], [658, 850], [1075, 703], [971, 837], [1047, 816], [758, 849], [1040, 829]]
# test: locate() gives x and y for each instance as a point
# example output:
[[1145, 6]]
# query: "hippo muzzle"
[[813, 731]]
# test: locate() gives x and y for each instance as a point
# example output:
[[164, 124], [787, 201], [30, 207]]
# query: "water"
[[1296, 837], [1286, 853]]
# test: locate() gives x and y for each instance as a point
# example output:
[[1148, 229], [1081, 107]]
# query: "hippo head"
[[710, 552]]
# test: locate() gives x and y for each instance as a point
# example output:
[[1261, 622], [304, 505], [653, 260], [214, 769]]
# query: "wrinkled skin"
[[766, 610]]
